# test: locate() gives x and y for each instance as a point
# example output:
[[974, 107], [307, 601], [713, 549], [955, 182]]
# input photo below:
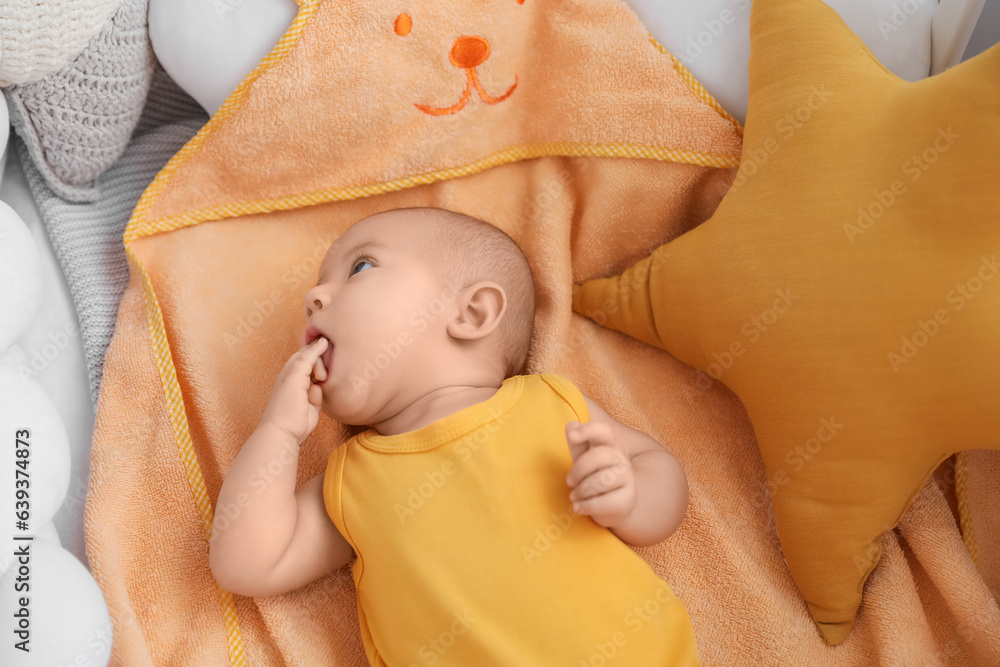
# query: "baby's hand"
[[295, 400], [602, 477]]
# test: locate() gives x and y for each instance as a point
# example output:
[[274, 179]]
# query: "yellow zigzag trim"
[[175, 407], [695, 86], [505, 156], [154, 317], [139, 227]]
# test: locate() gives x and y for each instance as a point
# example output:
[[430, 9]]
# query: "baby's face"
[[378, 302]]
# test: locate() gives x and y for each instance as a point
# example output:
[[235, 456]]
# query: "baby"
[[488, 513]]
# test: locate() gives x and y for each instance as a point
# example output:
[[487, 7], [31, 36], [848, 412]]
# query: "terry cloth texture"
[[87, 237], [587, 145], [576, 125], [39, 37], [77, 121]]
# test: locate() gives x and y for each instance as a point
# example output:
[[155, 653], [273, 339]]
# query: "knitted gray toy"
[[39, 37], [77, 121]]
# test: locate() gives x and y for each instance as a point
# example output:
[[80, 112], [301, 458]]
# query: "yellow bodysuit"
[[468, 551]]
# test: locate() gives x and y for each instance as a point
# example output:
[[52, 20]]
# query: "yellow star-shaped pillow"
[[847, 288]]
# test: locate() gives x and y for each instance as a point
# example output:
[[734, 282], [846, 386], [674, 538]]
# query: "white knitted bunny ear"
[[77, 121], [39, 37]]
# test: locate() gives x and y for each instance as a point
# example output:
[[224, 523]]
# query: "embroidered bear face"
[[467, 53]]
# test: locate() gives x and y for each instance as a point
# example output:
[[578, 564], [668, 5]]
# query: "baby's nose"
[[314, 301], [469, 51]]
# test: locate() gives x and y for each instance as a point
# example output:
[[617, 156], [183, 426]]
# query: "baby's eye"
[[359, 262]]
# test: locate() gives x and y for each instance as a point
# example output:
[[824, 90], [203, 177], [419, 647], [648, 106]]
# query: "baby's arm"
[[267, 539], [624, 479]]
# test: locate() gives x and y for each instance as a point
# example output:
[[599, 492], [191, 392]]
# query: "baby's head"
[[415, 301]]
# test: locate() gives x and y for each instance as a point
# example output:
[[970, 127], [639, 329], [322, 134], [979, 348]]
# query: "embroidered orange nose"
[[469, 51]]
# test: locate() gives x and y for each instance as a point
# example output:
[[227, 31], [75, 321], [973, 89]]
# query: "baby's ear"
[[478, 311]]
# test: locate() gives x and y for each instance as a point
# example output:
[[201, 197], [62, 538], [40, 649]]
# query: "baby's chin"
[[334, 416], [359, 406], [338, 416]]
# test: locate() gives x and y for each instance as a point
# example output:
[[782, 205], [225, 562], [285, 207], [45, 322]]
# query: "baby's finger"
[[312, 351], [596, 433], [302, 361], [593, 460], [319, 370], [576, 440], [583, 437], [315, 394], [610, 507], [598, 482]]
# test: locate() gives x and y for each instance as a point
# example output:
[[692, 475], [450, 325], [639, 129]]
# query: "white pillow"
[[208, 47]]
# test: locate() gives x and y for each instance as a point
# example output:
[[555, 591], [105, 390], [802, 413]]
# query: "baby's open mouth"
[[312, 333]]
